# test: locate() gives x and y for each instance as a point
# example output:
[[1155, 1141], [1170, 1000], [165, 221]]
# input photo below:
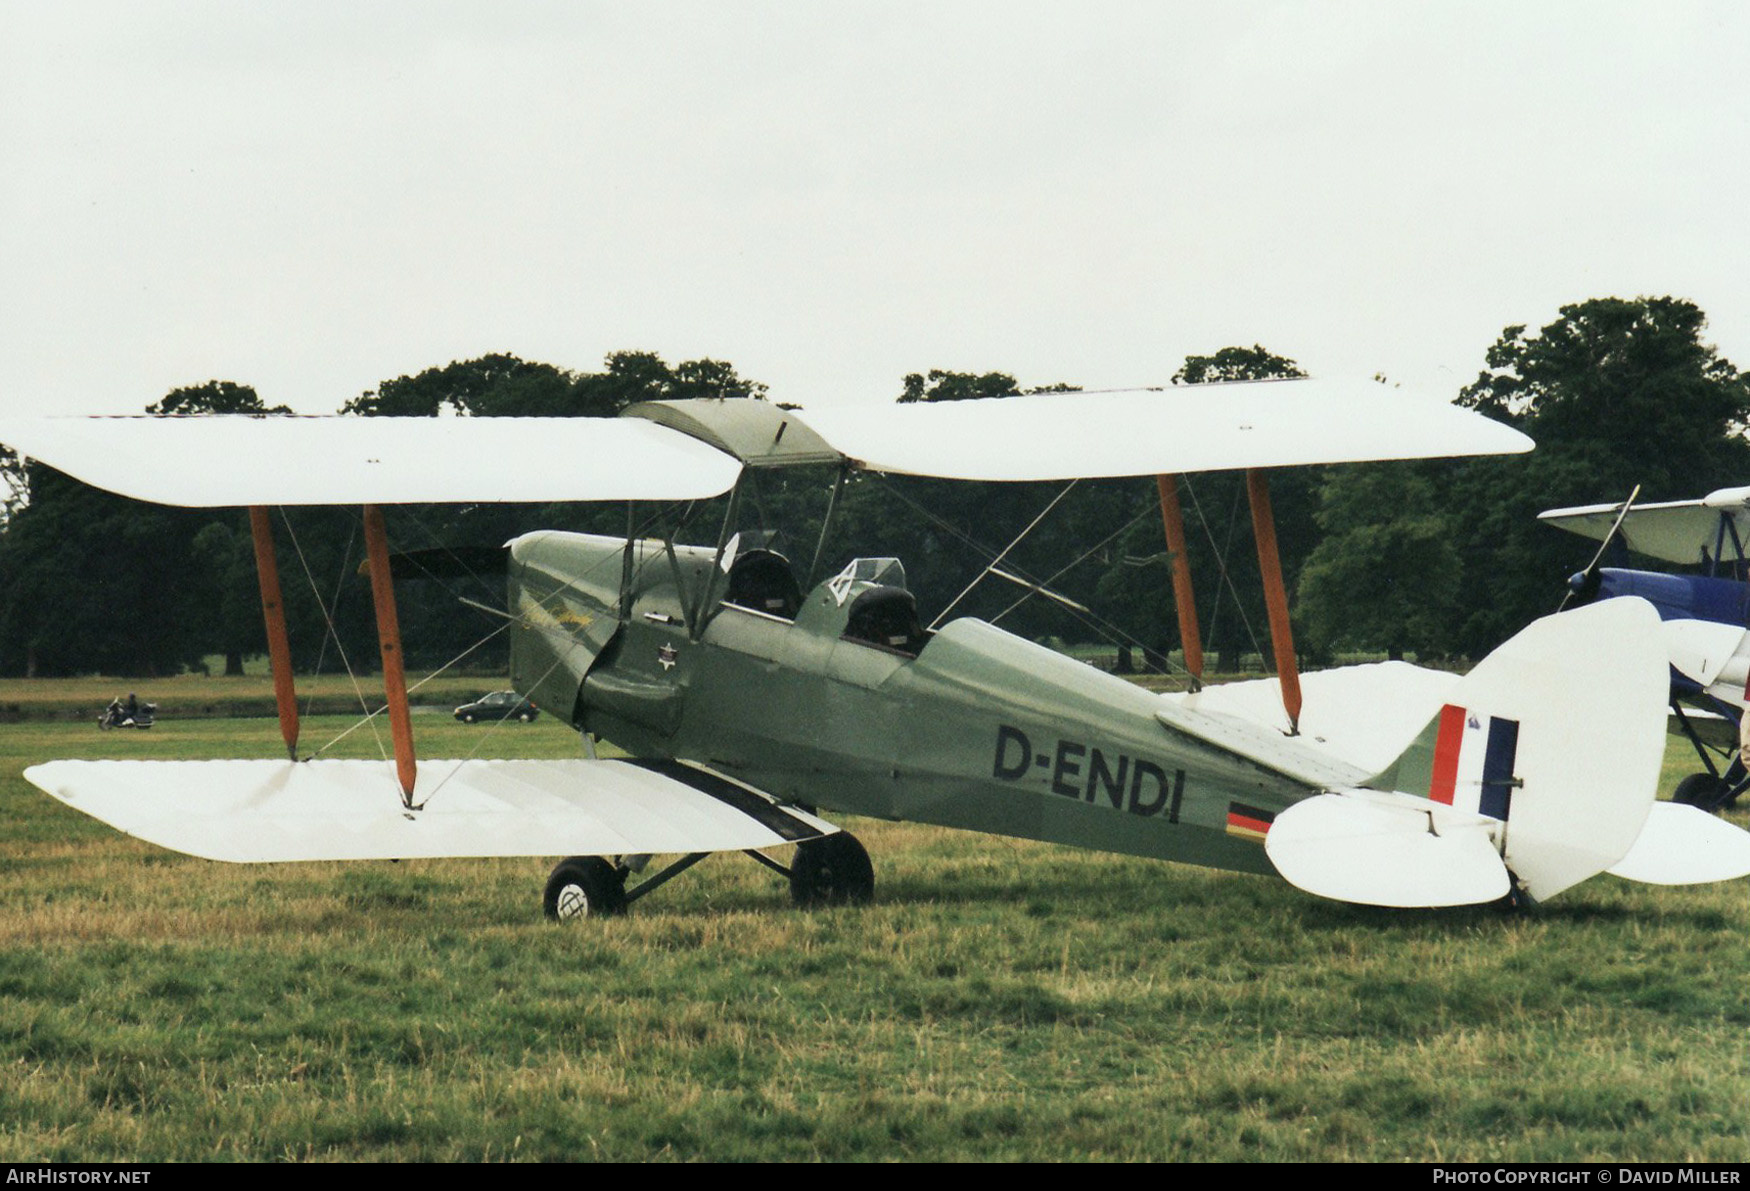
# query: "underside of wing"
[[254, 811], [1190, 428], [1680, 531], [220, 461], [690, 450]]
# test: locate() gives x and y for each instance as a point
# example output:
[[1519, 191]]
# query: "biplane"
[[1704, 614], [750, 705]]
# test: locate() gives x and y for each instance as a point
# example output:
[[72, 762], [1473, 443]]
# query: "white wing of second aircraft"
[[1681, 531]]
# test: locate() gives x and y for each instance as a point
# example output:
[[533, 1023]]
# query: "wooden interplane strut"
[[273, 612], [389, 641], [1185, 599], [1275, 596]]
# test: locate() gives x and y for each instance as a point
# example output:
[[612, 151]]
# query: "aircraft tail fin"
[[1539, 770]]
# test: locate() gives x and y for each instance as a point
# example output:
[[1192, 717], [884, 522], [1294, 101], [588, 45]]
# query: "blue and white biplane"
[[1704, 615]]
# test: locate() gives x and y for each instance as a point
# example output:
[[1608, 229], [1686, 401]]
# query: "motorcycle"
[[116, 715]]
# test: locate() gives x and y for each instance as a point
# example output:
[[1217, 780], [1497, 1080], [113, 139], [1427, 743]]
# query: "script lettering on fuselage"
[[1091, 774]]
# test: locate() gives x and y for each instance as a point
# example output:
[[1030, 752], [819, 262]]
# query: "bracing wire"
[[1095, 623], [979, 578], [511, 619], [1222, 554], [333, 629]]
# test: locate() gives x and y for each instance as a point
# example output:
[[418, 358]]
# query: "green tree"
[[943, 385], [504, 386], [1616, 392], [1382, 582], [91, 581], [14, 485], [213, 397], [1236, 364]]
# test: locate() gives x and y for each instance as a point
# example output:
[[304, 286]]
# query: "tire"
[[583, 887], [1701, 790], [469, 718], [524, 717], [831, 871]]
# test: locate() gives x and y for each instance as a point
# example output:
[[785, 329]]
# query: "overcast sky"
[[312, 197]]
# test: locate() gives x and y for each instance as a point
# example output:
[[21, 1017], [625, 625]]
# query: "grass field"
[[999, 1000]]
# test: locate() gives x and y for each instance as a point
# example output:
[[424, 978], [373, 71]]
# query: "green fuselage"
[[979, 730]]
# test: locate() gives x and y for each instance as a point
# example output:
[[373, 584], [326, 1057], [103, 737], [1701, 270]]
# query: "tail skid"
[[1538, 772]]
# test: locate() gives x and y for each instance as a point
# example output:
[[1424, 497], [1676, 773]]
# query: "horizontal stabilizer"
[[1684, 845], [251, 811], [1387, 850]]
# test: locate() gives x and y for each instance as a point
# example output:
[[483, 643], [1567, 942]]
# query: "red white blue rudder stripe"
[[1474, 755]]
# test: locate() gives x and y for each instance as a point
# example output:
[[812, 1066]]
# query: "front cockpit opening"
[[762, 581]]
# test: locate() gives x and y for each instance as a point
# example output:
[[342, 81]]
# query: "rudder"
[[1559, 736]]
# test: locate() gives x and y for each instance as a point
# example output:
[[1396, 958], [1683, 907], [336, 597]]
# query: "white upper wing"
[[1146, 432], [241, 460], [237, 460]]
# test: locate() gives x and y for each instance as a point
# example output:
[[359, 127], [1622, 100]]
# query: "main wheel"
[[524, 717], [831, 871], [1701, 790], [582, 886]]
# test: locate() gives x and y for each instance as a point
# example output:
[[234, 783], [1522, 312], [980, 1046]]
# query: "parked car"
[[499, 705]]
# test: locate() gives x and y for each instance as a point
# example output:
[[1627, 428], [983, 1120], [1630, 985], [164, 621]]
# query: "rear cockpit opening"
[[887, 618]]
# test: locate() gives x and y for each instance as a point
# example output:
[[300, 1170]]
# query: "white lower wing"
[[250, 811], [1717, 656], [1364, 715]]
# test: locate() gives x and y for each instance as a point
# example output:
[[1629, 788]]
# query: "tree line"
[[1440, 558]]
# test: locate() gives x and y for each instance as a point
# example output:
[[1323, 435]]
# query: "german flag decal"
[[1248, 822]]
